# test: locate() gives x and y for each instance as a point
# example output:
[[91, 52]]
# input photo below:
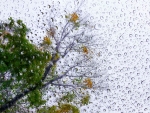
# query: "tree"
[[64, 60]]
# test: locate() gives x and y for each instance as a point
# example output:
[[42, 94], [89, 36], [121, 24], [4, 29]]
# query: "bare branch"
[[64, 85], [68, 48]]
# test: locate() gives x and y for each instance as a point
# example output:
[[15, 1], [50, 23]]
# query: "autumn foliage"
[[85, 50], [47, 41], [88, 82], [74, 17]]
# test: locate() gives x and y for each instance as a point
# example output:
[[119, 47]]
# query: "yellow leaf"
[[47, 40], [74, 17], [67, 108], [85, 50], [88, 82]]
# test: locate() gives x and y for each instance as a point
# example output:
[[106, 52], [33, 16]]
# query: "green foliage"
[[52, 109], [25, 63], [64, 105], [35, 98], [21, 58], [85, 100], [78, 80], [67, 108], [69, 97]]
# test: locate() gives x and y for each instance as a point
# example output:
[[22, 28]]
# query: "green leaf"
[[35, 98], [85, 100], [69, 97]]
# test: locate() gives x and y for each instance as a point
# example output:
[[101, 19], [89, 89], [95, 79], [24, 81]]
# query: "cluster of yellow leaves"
[[88, 82], [74, 17], [85, 50], [47, 41]]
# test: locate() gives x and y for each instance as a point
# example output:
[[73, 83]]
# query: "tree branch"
[[47, 69], [64, 85], [15, 99]]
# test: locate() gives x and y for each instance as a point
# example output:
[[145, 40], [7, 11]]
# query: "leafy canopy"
[[21, 60]]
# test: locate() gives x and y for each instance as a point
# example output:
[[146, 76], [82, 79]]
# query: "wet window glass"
[[79, 56]]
